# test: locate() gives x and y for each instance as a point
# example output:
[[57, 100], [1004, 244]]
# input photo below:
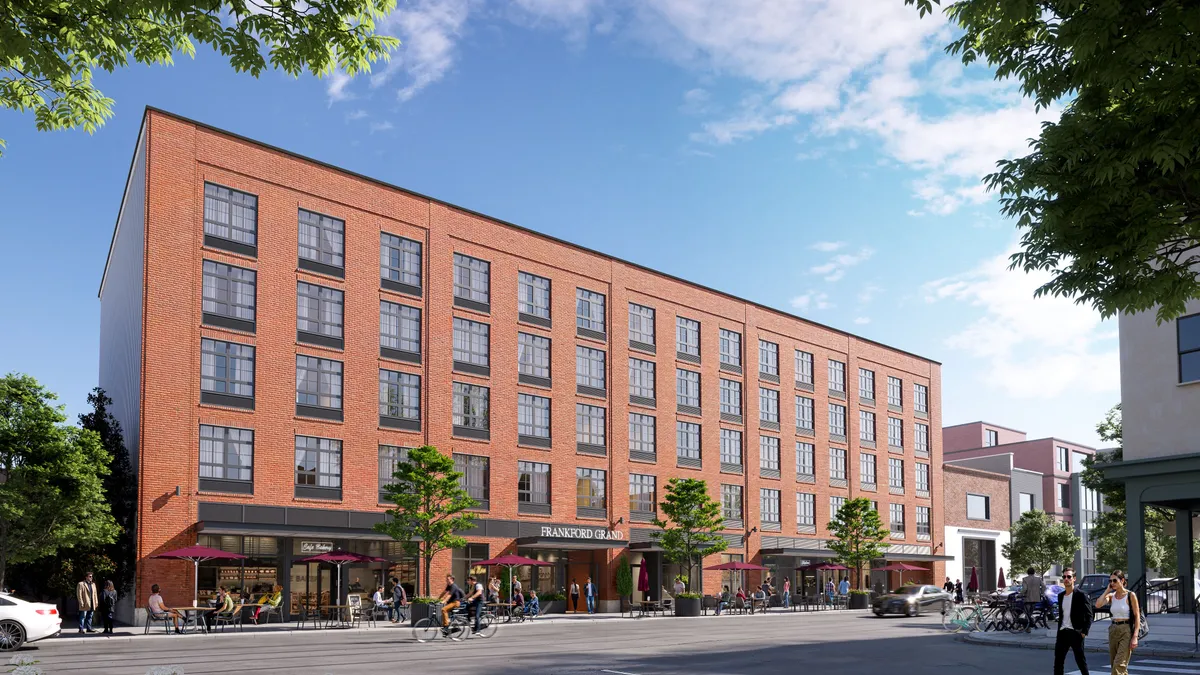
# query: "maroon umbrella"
[[737, 565], [198, 554], [644, 578], [901, 568], [1000, 582], [973, 585], [510, 561], [340, 557]]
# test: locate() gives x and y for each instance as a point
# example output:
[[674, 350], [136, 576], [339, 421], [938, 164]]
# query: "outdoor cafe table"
[[647, 607], [194, 621], [338, 614], [503, 609]]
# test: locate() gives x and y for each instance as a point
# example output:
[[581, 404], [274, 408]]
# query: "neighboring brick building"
[[976, 505], [274, 331]]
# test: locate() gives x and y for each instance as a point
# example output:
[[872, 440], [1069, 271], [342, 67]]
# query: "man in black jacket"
[[1074, 622]]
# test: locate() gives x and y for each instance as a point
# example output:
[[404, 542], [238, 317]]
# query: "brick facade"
[[959, 481]]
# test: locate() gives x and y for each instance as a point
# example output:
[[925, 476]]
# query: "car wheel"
[[912, 610], [12, 635], [879, 614]]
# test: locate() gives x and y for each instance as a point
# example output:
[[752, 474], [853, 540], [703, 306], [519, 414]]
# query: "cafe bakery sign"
[[586, 533], [316, 546]]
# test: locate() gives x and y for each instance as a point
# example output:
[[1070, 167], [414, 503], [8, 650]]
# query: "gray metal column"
[[284, 549], [1135, 526], [1183, 555]]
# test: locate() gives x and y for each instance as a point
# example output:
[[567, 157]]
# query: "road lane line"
[[617, 672]]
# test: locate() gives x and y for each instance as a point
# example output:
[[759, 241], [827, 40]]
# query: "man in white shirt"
[[475, 599], [1074, 621]]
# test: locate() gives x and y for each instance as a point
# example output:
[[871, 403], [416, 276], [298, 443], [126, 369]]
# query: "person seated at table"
[[160, 611], [377, 598], [356, 586], [723, 600], [532, 607], [272, 601], [518, 598]]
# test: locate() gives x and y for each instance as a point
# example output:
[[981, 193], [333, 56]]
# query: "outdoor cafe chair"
[[230, 618], [166, 619]]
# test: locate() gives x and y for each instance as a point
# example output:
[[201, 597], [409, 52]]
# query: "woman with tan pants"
[[1122, 634]]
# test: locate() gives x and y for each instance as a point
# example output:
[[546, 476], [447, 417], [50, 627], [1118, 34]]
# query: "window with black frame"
[[318, 467], [322, 243], [400, 263], [589, 493], [229, 296], [533, 298], [470, 414], [226, 459], [399, 400], [230, 219], [319, 315], [226, 373], [533, 487], [399, 332], [476, 477]]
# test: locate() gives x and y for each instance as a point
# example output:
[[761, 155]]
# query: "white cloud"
[[862, 320], [336, 88], [695, 101], [381, 126], [812, 300], [836, 267], [1030, 348], [827, 246], [868, 293], [357, 115]]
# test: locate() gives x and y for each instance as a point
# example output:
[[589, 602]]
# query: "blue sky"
[[818, 156]]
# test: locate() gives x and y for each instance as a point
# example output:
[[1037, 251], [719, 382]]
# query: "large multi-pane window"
[[229, 291], [866, 468], [399, 395], [895, 473], [589, 310], [472, 342], [837, 376], [319, 310], [533, 483], [472, 279], [589, 488], [731, 502], [768, 358], [533, 416], [400, 260], [226, 453], [991, 438], [390, 457], [687, 336], [768, 453], [230, 215], [641, 434], [470, 409], [731, 348], [895, 432], [318, 462], [835, 504], [769, 505], [643, 497], [1187, 333], [920, 398], [731, 397], [318, 382], [804, 367], [226, 368], [641, 324], [837, 464], [1063, 456], [533, 295], [805, 453], [589, 367], [322, 239], [806, 509], [399, 327], [533, 355], [589, 425], [896, 518], [895, 391], [641, 378], [768, 405], [922, 477], [866, 384], [687, 387], [688, 440], [476, 476], [837, 420], [923, 529], [731, 446], [866, 426], [804, 413], [921, 437]]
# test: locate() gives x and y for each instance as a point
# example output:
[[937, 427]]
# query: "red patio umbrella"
[[644, 578], [973, 584], [1000, 582], [198, 554], [340, 557], [901, 568], [510, 561]]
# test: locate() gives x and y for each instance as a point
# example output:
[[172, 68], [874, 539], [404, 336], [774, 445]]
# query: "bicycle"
[[430, 628], [962, 616]]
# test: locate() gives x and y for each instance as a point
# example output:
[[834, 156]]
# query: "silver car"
[[912, 600]]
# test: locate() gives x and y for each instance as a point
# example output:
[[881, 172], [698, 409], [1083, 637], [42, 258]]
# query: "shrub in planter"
[[860, 599], [553, 603], [688, 604], [421, 608]]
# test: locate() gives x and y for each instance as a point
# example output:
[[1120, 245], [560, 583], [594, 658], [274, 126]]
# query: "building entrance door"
[[981, 555]]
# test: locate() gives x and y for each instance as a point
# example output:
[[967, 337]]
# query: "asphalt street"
[[734, 645]]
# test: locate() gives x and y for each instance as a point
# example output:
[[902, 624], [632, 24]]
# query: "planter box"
[[420, 610], [554, 607], [687, 606], [859, 601]]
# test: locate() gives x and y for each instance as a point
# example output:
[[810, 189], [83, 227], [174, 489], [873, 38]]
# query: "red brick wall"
[[182, 156], [960, 481]]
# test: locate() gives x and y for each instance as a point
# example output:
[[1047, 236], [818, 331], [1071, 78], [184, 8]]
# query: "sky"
[[819, 156]]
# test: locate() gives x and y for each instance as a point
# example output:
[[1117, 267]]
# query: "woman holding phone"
[[1123, 633]]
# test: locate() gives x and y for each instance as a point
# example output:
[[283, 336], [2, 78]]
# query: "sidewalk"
[[1171, 635]]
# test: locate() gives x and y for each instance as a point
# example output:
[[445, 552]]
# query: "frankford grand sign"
[[582, 533]]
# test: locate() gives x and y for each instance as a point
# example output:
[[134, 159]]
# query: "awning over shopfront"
[[569, 543], [800, 553], [285, 521], [645, 546], [916, 557]]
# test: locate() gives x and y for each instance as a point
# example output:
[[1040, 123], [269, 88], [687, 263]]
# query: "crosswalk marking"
[[1136, 667]]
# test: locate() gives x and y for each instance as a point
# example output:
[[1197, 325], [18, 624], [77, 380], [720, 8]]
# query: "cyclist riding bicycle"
[[475, 600], [452, 596]]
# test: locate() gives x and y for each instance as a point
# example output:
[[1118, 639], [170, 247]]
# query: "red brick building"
[[274, 331]]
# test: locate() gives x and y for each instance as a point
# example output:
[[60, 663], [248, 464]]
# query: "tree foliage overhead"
[[430, 508], [49, 49], [858, 534], [1040, 542], [1109, 197], [692, 528], [51, 478]]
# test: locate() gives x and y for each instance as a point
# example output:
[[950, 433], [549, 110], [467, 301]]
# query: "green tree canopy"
[[430, 507], [1108, 197], [50, 49], [51, 478], [859, 535], [691, 530], [1040, 542]]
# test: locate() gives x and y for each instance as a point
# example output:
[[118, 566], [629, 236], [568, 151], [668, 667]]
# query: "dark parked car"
[[912, 600]]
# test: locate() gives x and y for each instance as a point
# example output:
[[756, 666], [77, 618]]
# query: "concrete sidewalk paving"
[[1170, 636]]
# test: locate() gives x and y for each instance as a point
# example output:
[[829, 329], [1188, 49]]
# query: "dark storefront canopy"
[[569, 544]]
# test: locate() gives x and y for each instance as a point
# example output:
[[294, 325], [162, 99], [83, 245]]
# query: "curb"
[[1148, 651]]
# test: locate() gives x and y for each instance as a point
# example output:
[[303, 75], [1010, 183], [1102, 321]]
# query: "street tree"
[[51, 478], [1040, 542], [1107, 197], [624, 578], [50, 51], [120, 490], [691, 529], [858, 535], [431, 506]]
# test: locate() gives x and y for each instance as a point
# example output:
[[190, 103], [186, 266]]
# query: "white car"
[[22, 622]]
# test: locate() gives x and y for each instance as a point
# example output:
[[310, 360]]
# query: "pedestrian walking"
[[1033, 589], [89, 600], [787, 592], [108, 606], [1123, 633], [948, 586], [958, 596], [1074, 622], [399, 600], [589, 592], [574, 596]]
